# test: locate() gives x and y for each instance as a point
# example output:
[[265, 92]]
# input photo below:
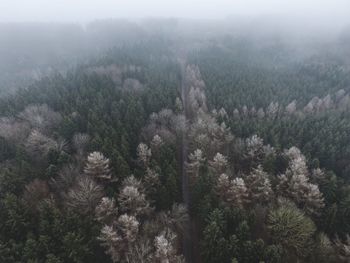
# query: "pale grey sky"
[[86, 10]]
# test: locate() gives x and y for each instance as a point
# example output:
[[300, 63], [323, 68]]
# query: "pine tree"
[[165, 251], [144, 154], [112, 241], [129, 227], [106, 211], [132, 198], [97, 166], [295, 183], [238, 193], [259, 186], [233, 192], [290, 228], [219, 163], [195, 161]]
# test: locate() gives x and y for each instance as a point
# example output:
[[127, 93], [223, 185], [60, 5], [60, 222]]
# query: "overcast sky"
[[86, 10]]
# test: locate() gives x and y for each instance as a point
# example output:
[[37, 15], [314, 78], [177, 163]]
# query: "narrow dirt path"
[[187, 240]]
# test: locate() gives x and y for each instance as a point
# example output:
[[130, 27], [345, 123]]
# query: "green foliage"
[[291, 229], [98, 99]]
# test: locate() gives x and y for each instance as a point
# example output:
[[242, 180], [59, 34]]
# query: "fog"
[[41, 36], [332, 11]]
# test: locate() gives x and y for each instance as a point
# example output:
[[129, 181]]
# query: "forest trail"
[[185, 186], [187, 240]]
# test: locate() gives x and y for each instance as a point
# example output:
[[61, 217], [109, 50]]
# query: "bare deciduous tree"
[[140, 251], [13, 130], [106, 211], [343, 249], [65, 180], [35, 192], [39, 145], [85, 195], [40, 117]]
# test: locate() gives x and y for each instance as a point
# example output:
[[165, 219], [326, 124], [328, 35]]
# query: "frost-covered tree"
[[80, 142], [65, 179], [238, 193], [13, 130], [140, 251], [196, 95], [343, 249], [245, 110], [207, 134], [344, 103], [39, 145], [165, 248], [175, 219], [295, 183], [106, 211], [178, 105], [151, 180], [132, 198], [223, 186], [313, 105], [85, 195], [254, 145], [261, 113], [291, 107], [222, 113], [339, 95], [233, 192], [144, 154], [195, 161], [255, 150], [156, 143], [132, 85], [327, 102], [167, 125], [40, 117], [219, 163], [129, 227], [259, 186], [272, 109], [97, 166], [112, 241]]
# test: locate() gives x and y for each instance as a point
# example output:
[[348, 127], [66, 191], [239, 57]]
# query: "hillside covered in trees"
[[175, 141]]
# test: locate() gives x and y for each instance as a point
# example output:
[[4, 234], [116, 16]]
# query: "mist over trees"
[[172, 140]]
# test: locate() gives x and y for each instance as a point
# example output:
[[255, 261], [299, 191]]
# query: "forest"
[[173, 141]]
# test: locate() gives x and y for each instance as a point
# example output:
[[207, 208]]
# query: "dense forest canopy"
[[174, 141]]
